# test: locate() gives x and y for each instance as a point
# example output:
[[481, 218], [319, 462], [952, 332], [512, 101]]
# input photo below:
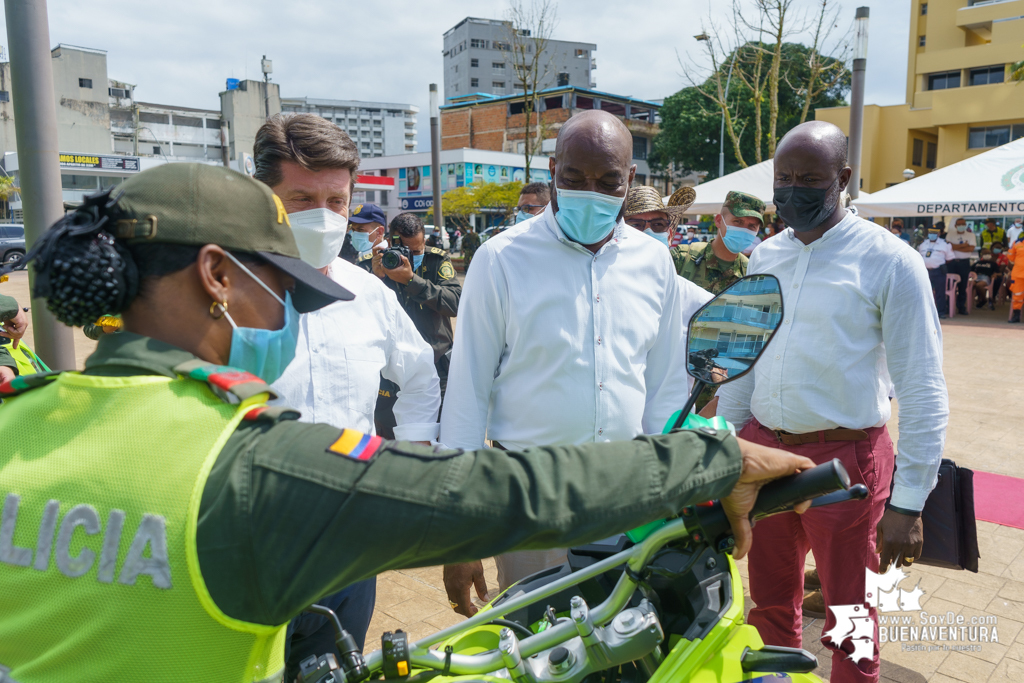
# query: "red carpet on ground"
[[999, 499]]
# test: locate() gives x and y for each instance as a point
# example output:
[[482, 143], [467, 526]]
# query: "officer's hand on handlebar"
[[761, 464], [458, 579]]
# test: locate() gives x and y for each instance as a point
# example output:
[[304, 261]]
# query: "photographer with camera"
[[424, 280]]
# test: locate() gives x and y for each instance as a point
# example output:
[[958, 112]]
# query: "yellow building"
[[960, 101]]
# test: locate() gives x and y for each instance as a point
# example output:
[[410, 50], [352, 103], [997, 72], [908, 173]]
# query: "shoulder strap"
[[224, 380]]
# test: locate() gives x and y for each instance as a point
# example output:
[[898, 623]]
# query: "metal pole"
[[35, 112], [721, 134], [435, 154], [857, 100]]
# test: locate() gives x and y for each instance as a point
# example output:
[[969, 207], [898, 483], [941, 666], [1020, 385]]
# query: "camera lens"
[[390, 259]]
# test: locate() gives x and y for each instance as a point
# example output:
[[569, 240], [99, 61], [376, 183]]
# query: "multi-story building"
[[478, 59], [499, 124], [960, 101], [377, 128]]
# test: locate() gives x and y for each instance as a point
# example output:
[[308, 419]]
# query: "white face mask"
[[319, 233]]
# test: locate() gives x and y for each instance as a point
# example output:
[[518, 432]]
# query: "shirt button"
[[777, 357], [600, 431], [775, 395], [600, 386], [598, 298], [598, 340], [795, 285], [787, 322], [807, 248]]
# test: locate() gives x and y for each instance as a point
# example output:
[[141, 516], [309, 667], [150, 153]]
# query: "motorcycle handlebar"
[[788, 492]]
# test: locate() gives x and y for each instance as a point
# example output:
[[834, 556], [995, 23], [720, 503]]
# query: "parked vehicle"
[[12, 243]]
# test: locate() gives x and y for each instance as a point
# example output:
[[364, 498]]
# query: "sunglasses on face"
[[657, 225]]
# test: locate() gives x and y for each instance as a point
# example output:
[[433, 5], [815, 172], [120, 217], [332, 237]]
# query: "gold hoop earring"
[[223, 309]]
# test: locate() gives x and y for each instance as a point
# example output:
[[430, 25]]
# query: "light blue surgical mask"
[[737, 239], [660, 236], [933, 237], [361, 241], [587, 217], [264, 353], [523, 216], [417, 260]]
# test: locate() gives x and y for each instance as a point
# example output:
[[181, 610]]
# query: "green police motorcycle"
[[659, 604]]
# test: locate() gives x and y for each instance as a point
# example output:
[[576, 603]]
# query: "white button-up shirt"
[[935, 254], [858, 309], [343, 350], [557, 345]]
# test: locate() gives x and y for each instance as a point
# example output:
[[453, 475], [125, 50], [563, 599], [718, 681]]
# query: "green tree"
[[461, 203], [7, 190], [690, 122]]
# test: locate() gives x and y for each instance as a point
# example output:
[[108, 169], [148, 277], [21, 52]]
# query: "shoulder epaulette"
[[271, 414], [23, 383], [437, 250], [365, 257], [225, 381]]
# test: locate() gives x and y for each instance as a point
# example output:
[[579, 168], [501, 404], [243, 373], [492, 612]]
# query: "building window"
[[582, 54], [932, 157], [5, 96], [498, 87], [639, 147], [156, 149], [1018, 132], [366, 145], [993, 136], [474, 82], [85, 83], [924, 8], [498, 68], [920, 41], [79, 182], [918, 155], [474, 62], [478, 43], [149, 117], [501, 45], [119, 93], [988, 74], [944, 81], [191, 121]]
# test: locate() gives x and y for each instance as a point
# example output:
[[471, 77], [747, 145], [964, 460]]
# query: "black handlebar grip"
[[782, 494]]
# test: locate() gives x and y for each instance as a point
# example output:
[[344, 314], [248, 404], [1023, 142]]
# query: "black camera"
[[392, 257]]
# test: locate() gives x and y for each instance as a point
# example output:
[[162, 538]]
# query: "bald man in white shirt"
[[858, 311]]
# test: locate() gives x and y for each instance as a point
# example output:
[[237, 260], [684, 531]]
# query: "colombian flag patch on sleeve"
[[355, 445]]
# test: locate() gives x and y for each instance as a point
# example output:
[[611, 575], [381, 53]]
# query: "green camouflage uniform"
[[470, 243], [697, 262]]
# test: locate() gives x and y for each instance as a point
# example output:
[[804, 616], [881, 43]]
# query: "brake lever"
[[855, 492]]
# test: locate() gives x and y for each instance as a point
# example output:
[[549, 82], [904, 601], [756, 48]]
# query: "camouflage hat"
[[743, 204], [645, 199], [199, 204]]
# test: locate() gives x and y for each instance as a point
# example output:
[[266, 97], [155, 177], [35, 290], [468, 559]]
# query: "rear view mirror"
[[729, 334]]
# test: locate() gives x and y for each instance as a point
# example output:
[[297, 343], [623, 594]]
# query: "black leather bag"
[[950, 529]]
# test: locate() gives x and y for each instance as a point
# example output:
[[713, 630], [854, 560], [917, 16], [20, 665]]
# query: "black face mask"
[[804, 208]]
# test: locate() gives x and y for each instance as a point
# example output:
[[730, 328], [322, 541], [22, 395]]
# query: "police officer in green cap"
[[160, 522], [719, 263], [14, 322]]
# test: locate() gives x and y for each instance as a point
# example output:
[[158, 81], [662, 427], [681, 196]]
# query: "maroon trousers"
[[842, 537]]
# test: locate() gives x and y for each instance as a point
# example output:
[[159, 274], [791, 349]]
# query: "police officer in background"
[[14, 322], [428, 291], [365, 231]]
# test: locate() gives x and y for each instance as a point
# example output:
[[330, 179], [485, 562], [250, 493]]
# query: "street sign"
[[416, 203]]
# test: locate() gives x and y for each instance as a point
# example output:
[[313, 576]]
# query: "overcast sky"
[[390, 50]]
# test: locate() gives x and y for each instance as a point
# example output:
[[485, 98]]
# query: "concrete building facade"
[[499, 124], [377, 128], [960, 101], [477, 59]]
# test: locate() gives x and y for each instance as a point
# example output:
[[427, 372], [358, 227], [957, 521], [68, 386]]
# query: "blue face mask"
[[737, 239], [660, 236], [587, 217], [361, 241], [933, 237], [417, 259], [264, 353], [522, 216]]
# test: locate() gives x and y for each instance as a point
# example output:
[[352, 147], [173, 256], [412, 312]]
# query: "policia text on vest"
[[150, 533]]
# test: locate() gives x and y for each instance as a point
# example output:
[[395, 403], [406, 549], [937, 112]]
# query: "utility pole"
[[28, 35], [268, 68], [435, 154], [860, 63]]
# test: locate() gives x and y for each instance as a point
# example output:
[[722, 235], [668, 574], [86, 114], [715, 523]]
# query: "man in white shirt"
[[343, 349], [937, 254], [964, 244], [858, 311], [570, 327], [1014, 231]]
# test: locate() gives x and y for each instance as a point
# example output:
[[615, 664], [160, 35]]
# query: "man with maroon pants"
[[857, 310]]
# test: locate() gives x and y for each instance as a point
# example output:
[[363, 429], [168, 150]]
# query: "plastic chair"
[[972, 277], [951, 283]]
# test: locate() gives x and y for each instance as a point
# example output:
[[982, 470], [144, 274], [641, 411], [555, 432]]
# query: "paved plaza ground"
[[984, 364]]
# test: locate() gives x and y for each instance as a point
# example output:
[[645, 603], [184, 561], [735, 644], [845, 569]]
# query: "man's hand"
[[377, 266], [15, 328], [900, 538], [6, 374], [761, 464], [457, 580], [402, 274]]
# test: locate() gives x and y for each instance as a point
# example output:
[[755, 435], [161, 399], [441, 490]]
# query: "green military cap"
[[741, 204], [198, 204]]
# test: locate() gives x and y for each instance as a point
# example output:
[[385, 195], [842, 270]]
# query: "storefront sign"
[[100, 162]]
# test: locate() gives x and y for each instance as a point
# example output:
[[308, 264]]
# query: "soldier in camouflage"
[[470, 243], [719, 263]]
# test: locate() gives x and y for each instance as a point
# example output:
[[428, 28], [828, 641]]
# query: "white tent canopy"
[[990, 184], [755, 180]]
